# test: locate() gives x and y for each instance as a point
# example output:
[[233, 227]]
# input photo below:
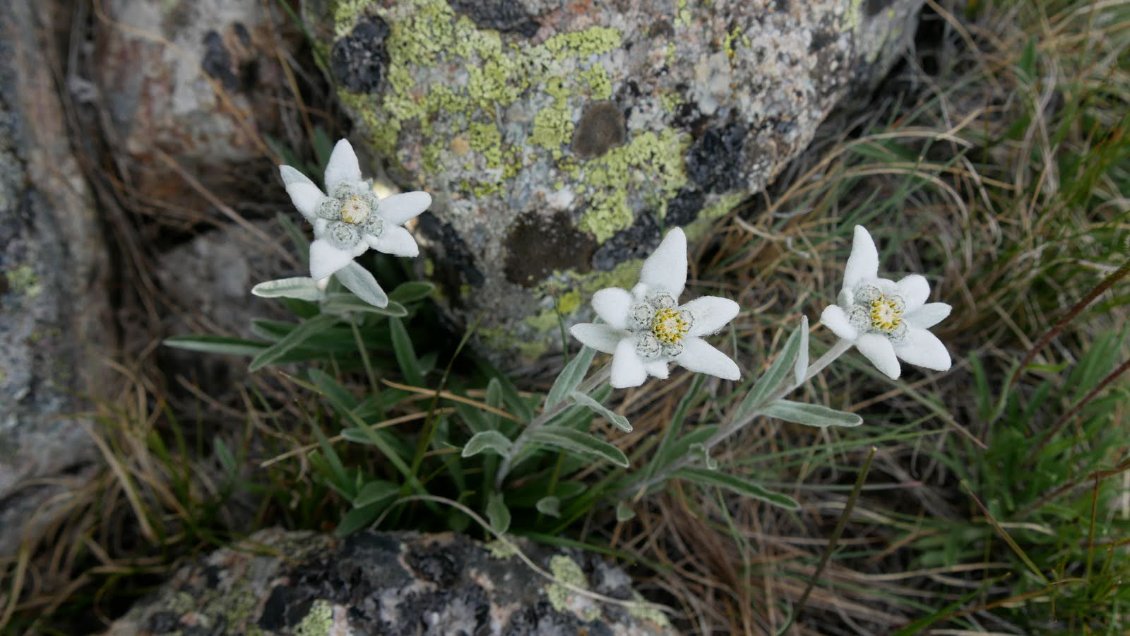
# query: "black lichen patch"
[[464, 609], [508, 16], [873, 7], [217, 61], [714, 161], [601, 127], [285, 608], [358, 60], [540, 246], [438, 564], [684, 208], [821, 39], [163, 622], [638, 241], [455, 265]]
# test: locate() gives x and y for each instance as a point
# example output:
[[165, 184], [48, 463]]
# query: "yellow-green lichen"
[[600, 86], [544, 321], [712, 212], [427, 33], [23, 281], [500, 549], [486, 140], [682, 13], [569, 302], [553, 127], [318, 622], [345, 15], [647, 160], [854, 13], [566, 572], [645, 612], [734, 35], [593, 41]]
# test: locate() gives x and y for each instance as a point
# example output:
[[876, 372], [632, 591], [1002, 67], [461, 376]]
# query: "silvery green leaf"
[[412, 291], [339, 304], [498, 514], [707, 460], [579, 443], [300, 288], [375, 492], [485, 441], [296, 337], [740, 485], [810, 414], [549, 506], [687, 443], [800, 367], [570, 376], [774, 375], [360, 281], [216, 344], [624, 512], [616, 419]]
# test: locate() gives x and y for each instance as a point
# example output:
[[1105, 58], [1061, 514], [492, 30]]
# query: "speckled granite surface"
[[560, 138], [281, 582]]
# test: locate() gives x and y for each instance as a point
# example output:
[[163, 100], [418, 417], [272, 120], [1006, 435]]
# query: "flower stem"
[[586, 387], [734, 425]]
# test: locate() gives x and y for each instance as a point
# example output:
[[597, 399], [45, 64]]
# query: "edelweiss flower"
[[352, 218], [886, 320], [646, 328]]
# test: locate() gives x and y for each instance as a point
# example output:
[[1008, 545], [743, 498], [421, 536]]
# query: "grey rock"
[[55, 327], [206, 283], [198, 81], [281, 582], [559, 138]]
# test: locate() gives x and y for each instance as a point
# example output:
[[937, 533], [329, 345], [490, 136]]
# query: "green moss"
[[318, 622], [658, 159]]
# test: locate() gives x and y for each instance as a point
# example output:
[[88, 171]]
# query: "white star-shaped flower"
[[886, 320], [646, 328], [352, 218]]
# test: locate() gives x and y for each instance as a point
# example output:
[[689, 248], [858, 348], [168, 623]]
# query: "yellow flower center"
[[886, 314], [355, 210], [669, 326]]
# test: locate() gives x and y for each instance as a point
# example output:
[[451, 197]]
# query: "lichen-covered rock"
[[206, 284], [198, 80], [54, 316], [560, 138], [390, 583]]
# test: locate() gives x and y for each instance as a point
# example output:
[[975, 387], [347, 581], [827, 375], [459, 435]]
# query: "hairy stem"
[[734, 425], [586, 387]]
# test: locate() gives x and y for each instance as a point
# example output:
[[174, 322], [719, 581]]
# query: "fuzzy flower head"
[[351, 218], [885, 320], [646, 328]]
